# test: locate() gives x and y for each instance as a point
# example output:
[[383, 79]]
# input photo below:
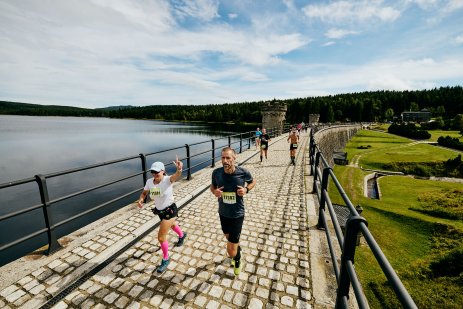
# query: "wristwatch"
[[247, 190]]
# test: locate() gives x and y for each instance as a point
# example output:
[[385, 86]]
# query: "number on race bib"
[[229, 197], [155, 192]]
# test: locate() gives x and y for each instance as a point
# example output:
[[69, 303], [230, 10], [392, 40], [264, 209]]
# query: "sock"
[[165, 250], [178, 230], [238, 254], [261, 158]]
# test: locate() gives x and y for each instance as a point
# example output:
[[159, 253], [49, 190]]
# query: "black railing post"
[[188, 163], [229, 141], [143, 167], [213, 153], [53, 244], [314, 171], [324, 187], [250, 140], [348, 254], [241, 142]]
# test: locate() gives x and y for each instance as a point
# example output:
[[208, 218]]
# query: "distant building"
[[422, 116]]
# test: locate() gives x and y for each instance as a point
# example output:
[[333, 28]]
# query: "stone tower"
[[313, 119], [274, 115]]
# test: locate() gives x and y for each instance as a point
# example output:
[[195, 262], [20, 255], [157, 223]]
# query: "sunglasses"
[[154, 172]]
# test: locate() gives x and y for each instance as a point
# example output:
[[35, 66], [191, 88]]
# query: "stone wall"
[[334, 138]]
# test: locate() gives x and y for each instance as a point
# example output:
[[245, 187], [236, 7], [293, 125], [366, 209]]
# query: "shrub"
[[450, 142], [408, 130]]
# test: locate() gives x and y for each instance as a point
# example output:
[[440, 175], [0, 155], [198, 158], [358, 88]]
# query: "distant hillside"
[[14, 108], [115, 108]]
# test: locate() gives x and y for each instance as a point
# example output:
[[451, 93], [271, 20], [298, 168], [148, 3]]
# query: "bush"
[[450, 142], [408, 130]]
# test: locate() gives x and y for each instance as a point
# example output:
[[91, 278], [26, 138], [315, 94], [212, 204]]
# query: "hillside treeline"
[[445, 102]]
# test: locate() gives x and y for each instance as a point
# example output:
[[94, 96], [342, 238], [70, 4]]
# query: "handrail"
[[345, 274], [236, 141]]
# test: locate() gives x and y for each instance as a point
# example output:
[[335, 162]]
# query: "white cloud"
[[335, 33], [329, 43], [351, 12], [459, 39]]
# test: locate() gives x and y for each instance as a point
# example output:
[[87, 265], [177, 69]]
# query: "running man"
[[293, 139], [264, 139], [229, 184], [161, 192]]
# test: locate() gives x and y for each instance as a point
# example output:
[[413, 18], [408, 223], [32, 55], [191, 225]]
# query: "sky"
[[99, 53]]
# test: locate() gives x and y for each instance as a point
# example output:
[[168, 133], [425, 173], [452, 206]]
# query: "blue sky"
[[98, 53]]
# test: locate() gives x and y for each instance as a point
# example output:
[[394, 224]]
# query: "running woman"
[[229, 184], [160, 190], [258, 134]]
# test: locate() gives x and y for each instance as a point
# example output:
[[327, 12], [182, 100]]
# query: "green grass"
[[435, 134], [413, 240], [385, 149]]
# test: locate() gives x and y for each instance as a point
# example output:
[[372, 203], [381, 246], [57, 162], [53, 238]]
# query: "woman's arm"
[[142, 198], [178, 173]]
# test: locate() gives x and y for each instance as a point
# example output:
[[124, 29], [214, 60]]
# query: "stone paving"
[[274, 241]]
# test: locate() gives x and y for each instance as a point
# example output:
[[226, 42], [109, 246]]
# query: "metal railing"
[[236, 141], [345, 273]]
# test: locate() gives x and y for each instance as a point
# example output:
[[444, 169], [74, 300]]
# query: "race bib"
[[294, 145], [229, 197], [264, 146], [155, 192]]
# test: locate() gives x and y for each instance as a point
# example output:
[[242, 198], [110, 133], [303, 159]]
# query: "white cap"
[[157, 167]]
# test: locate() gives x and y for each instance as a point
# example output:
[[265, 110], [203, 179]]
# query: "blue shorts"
[[232, 227]]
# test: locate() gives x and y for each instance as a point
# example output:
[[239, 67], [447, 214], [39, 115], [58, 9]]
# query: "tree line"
[[443, 102]]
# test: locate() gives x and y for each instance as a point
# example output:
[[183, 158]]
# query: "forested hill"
[[445, 102]]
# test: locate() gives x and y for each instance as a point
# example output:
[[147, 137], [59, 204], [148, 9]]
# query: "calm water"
[[43, 145], [40, 145]]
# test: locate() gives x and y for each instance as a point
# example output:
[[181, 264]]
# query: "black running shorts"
[[232, 227]]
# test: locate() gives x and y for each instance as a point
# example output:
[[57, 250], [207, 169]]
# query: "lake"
[[32, 145]]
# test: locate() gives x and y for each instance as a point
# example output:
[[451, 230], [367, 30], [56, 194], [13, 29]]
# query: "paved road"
[[274, 240]]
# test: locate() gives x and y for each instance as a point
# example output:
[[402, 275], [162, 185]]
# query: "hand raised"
[[178, 164]]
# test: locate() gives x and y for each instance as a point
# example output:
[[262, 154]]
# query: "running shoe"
[[162, 268], [181, 240], [238, 265], [232, 262]]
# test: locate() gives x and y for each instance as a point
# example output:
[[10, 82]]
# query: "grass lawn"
[[435, 134], [380, 149], [412, 241]]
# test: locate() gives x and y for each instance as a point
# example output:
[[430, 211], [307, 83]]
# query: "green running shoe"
[[162, 268], [238, 265]]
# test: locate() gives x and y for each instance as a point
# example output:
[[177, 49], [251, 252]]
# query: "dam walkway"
[[112, 262]]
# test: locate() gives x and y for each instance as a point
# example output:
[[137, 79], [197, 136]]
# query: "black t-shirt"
[[264, 139], [231, 205]]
